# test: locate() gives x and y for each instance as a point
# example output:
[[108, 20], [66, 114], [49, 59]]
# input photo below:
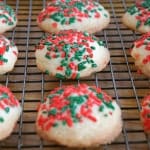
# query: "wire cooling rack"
[[119, 79]]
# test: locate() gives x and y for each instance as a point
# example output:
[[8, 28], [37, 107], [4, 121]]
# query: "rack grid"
[[119, 79]]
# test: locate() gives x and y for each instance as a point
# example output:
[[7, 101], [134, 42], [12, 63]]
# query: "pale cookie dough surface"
[[8, 19], [71, 54], [8, 55], [79, 116], [137, 16], [145, 113], [141, 54], [84, 15], [9, 112]]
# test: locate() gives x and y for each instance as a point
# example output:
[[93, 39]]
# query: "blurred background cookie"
[[145, 113], [141, 54], [137, 16], [8, 55], [8, 19], [10, 111]]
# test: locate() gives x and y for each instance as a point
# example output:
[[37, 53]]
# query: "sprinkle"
[[70, 104], [69, 12], [7, 101], [73, 50]]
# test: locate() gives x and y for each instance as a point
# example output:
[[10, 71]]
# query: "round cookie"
[[145, 113], [79, 116], [141, 54], [84, 15], [8, 55], [71, 54], [9, 112], [137, 16], [8, 18]]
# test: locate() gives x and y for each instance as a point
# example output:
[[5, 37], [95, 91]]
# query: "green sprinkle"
[[4, 95], [10, 23], [100, 43], [72, 20], [63, 63], [60, 91], [52, 112], [1, 120], [64, 108], [105, 15], [138, 24], [105, 115], [47, 56], [100, 9], [109, 105], [132, 10], [7, 109], [86, 34], [99, 95], [146, 3], [75, 120], [60, 76], [64, 122], [3, 59], [68, 72], [77, 99], [47, 72], [101, 108], [63, 21], [79, 5], [57, 16], [66, 48], [47, 43], [7, 48], [93, 47], [94, 65], [81, 66], [147, 22], [55, 125]]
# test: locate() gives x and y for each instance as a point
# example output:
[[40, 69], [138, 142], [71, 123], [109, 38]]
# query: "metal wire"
[[119, 79]]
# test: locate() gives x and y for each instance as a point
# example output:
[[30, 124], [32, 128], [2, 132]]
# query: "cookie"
[[8, 55], [141, 54], [145, 113], [8, 19], [137, 16], [83, 15], [79, 116], [70, 54], [9, 112]]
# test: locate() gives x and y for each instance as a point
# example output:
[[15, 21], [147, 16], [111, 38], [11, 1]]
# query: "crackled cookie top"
[[69, 53], [8, 18], [71, 104], [141, 10], [8, 55], [145, 113]]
